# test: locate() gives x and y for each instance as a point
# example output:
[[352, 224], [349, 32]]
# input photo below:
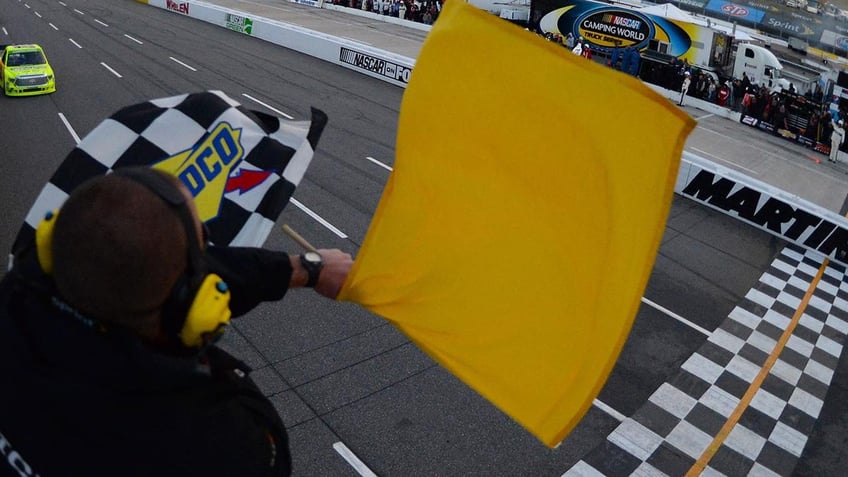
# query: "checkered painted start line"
[[673, 429]]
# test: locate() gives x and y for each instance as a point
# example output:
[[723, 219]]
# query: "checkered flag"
[[241, 166]]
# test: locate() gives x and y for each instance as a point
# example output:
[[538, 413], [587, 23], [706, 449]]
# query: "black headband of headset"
[[166, 190]]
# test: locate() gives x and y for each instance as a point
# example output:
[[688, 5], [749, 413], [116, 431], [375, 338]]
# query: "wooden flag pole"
[[297, 238]]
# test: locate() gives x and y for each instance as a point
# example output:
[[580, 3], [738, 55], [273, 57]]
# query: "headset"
[[197, 309]]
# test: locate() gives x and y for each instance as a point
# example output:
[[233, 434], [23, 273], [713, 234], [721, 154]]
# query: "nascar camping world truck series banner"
[[824, 31]]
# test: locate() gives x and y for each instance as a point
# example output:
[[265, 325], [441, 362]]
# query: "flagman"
[[107, 331]]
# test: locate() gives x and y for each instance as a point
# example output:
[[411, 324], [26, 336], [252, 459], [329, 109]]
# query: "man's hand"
[[334, 272]]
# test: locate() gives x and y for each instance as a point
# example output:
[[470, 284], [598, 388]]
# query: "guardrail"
[[367, 60]]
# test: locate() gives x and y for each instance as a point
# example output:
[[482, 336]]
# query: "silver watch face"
[[312, 257]]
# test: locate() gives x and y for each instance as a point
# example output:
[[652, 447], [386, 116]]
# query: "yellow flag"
[[520, 224]]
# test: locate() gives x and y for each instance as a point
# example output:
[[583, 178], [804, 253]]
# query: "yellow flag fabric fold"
[[520, 224]]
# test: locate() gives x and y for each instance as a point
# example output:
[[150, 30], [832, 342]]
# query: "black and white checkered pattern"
[[673, 429], [146, 133]]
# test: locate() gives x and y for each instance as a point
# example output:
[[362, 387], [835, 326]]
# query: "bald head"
[[118, 250]]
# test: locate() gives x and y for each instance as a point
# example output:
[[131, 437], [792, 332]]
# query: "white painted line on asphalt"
[[609, 410], [318, 218], [37, 14], [267, 106], [354, 461], [81, 13], [26, 5], [133, 39], [181, 63], [70, 129], [98, 21], [5, 32], [61, 3], [110, 69], [53, 26], [677, 317], [375, 161], [75, 43], [704, 116], [815, 170], [705, 153]]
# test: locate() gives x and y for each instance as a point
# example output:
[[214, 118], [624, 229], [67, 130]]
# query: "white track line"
[[677, 317], [70, 129], [705, 153], [98, 21], [375, 161], [318, 218], [609, 410], [181, 63], [75, 43], [267, 106], [53, 26], [354, 461], [133, 39], [110, 69]]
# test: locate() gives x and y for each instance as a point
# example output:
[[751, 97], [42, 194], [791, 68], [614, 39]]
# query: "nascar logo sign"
[[614, 28]]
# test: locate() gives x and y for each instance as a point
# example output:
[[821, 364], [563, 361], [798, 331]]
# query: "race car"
[[25, 71]]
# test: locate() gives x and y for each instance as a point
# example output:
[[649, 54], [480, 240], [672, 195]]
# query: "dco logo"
[[205, 168], [735, 10]]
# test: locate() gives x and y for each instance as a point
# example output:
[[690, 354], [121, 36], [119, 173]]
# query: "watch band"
[[313, 268]]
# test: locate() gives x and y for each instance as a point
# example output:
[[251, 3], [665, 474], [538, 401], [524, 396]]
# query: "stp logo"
[[735, 10]]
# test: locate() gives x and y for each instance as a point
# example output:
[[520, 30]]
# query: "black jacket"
[[76, 401]]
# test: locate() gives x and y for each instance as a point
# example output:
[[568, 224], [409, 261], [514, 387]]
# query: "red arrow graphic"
[[246, 180]]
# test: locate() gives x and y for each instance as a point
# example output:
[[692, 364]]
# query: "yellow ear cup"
[[44, 241], [209, 313]]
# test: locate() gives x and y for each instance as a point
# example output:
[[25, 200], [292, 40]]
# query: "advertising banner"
[[613, 27], [606, 27], [692, 4], [763, 206], [177, 7], [239, 23], [376, 65], [735, 12], [789, 26], [762, 5]]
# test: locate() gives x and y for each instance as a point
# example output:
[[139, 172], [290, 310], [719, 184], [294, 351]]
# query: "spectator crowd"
[[421, 11]]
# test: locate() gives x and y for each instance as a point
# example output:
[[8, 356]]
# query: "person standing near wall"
[[684, 88], [837, 137]]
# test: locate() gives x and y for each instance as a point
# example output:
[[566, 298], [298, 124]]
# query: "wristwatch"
[[313, 263]]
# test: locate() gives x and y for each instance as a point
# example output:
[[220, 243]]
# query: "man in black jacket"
[[107, 333]]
